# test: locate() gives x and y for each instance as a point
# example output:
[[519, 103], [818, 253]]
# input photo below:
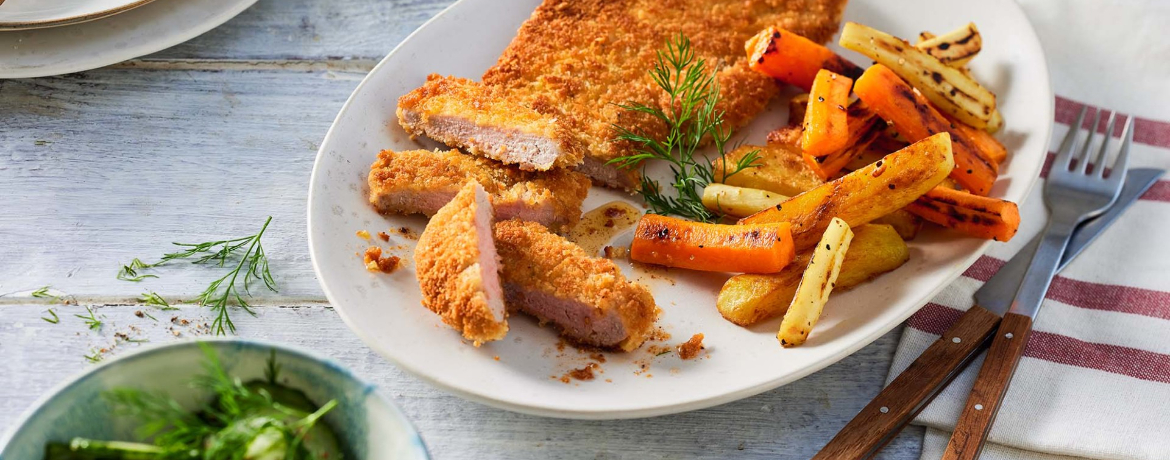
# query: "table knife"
[[896, 405]]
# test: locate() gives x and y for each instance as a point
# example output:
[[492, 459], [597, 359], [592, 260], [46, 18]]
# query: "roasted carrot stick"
[[793, 59], [662, 240], [974, 215], [981, 140], [914, 118], [826, 127], [863, 128]]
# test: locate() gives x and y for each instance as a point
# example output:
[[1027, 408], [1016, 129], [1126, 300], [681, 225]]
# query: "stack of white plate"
[[52, 37]]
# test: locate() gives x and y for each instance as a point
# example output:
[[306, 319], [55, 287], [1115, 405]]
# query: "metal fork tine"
[[1099, 163], [1064, 154], [1122, 162], [1083, 158]]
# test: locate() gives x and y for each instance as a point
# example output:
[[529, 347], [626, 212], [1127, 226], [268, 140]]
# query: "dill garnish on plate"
[[692, 120]]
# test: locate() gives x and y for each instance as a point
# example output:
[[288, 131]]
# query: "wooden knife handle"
[[992, 383], [913, 389]]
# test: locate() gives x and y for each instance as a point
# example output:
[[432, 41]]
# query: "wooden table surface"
[[206, 139]]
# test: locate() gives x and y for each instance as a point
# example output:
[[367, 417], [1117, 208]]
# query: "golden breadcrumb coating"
[[421, 181], [562, 274], [582, 57], [488, 122], [458, 279]]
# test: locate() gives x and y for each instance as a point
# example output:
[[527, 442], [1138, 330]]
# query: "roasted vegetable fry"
[[979, 216], [895, 101], [816, 284], [663, 240], [865, 194], [739, 201], [954, 48], [787, 135], [825, 125], [748, 299], [949, 89], [906, 223], [981, 141], [793, 59], [863, 127], [882, 145], [796, 108], [780, 170]]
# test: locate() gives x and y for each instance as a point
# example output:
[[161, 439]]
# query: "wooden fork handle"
[[913, 389], [990, 385]]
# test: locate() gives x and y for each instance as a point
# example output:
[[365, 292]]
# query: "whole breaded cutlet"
[[422, 181], [588, 298], [572, 61], [458, 268]]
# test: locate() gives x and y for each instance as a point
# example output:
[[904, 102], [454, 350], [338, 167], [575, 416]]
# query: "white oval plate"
[[138, 32], [464, 40], [33, 14]]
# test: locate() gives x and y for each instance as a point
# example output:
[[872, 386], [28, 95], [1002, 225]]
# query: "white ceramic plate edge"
[[28, 25], [141, 47], [605, 414]]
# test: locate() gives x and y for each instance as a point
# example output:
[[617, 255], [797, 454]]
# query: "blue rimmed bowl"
[[366, 423]]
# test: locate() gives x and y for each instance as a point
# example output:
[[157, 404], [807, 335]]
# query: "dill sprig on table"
[[91, 320], [691, 120], [224, 292], [152, 298]]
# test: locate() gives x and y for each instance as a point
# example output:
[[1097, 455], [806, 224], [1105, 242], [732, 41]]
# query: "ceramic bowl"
[[368, 424]]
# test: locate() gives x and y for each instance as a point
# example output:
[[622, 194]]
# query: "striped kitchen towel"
[[1095, 378]]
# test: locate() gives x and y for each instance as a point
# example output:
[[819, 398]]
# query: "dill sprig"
[[152, 298], [691, 119], [91, 320], [224, 292], [130, 272], [54, 320], [94, 356], [43, 293]]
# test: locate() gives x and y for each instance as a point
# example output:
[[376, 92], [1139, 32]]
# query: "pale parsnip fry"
[[904, 222], [739, 201], [748, 299], [954, 48], [815, 286], [948, 88]]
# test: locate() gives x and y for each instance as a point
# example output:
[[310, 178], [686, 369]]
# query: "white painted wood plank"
[[312, 30], [787, 423], [101, 167]]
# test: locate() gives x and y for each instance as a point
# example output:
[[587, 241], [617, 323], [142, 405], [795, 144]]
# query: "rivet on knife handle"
[[913, 389]]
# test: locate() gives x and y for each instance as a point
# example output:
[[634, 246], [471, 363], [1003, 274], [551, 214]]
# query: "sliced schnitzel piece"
[[588, 298], [581, 58], [484, 121], [422, 181], [458, 269]]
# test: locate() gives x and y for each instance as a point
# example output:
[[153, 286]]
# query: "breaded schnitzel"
[[455, 111], [588, 298], [458, 269], [573, 60], [422, 181]]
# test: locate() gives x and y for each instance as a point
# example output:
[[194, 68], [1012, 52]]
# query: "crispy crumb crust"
[[448, 265], [541, 261], [423, 111], [582, 57], [396, 178]]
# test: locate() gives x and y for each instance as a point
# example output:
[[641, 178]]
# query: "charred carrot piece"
[[975, 215], [981, 140], [662, 240], [793, 59], [863, 128], [914, 118], [826, 127]]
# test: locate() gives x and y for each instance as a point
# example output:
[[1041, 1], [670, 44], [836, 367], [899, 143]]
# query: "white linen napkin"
[[1095, 378]]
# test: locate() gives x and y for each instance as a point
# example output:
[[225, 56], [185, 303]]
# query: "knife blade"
[[896, 405]]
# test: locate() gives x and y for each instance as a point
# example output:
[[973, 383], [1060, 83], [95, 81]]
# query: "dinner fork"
[[1073, 193]]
